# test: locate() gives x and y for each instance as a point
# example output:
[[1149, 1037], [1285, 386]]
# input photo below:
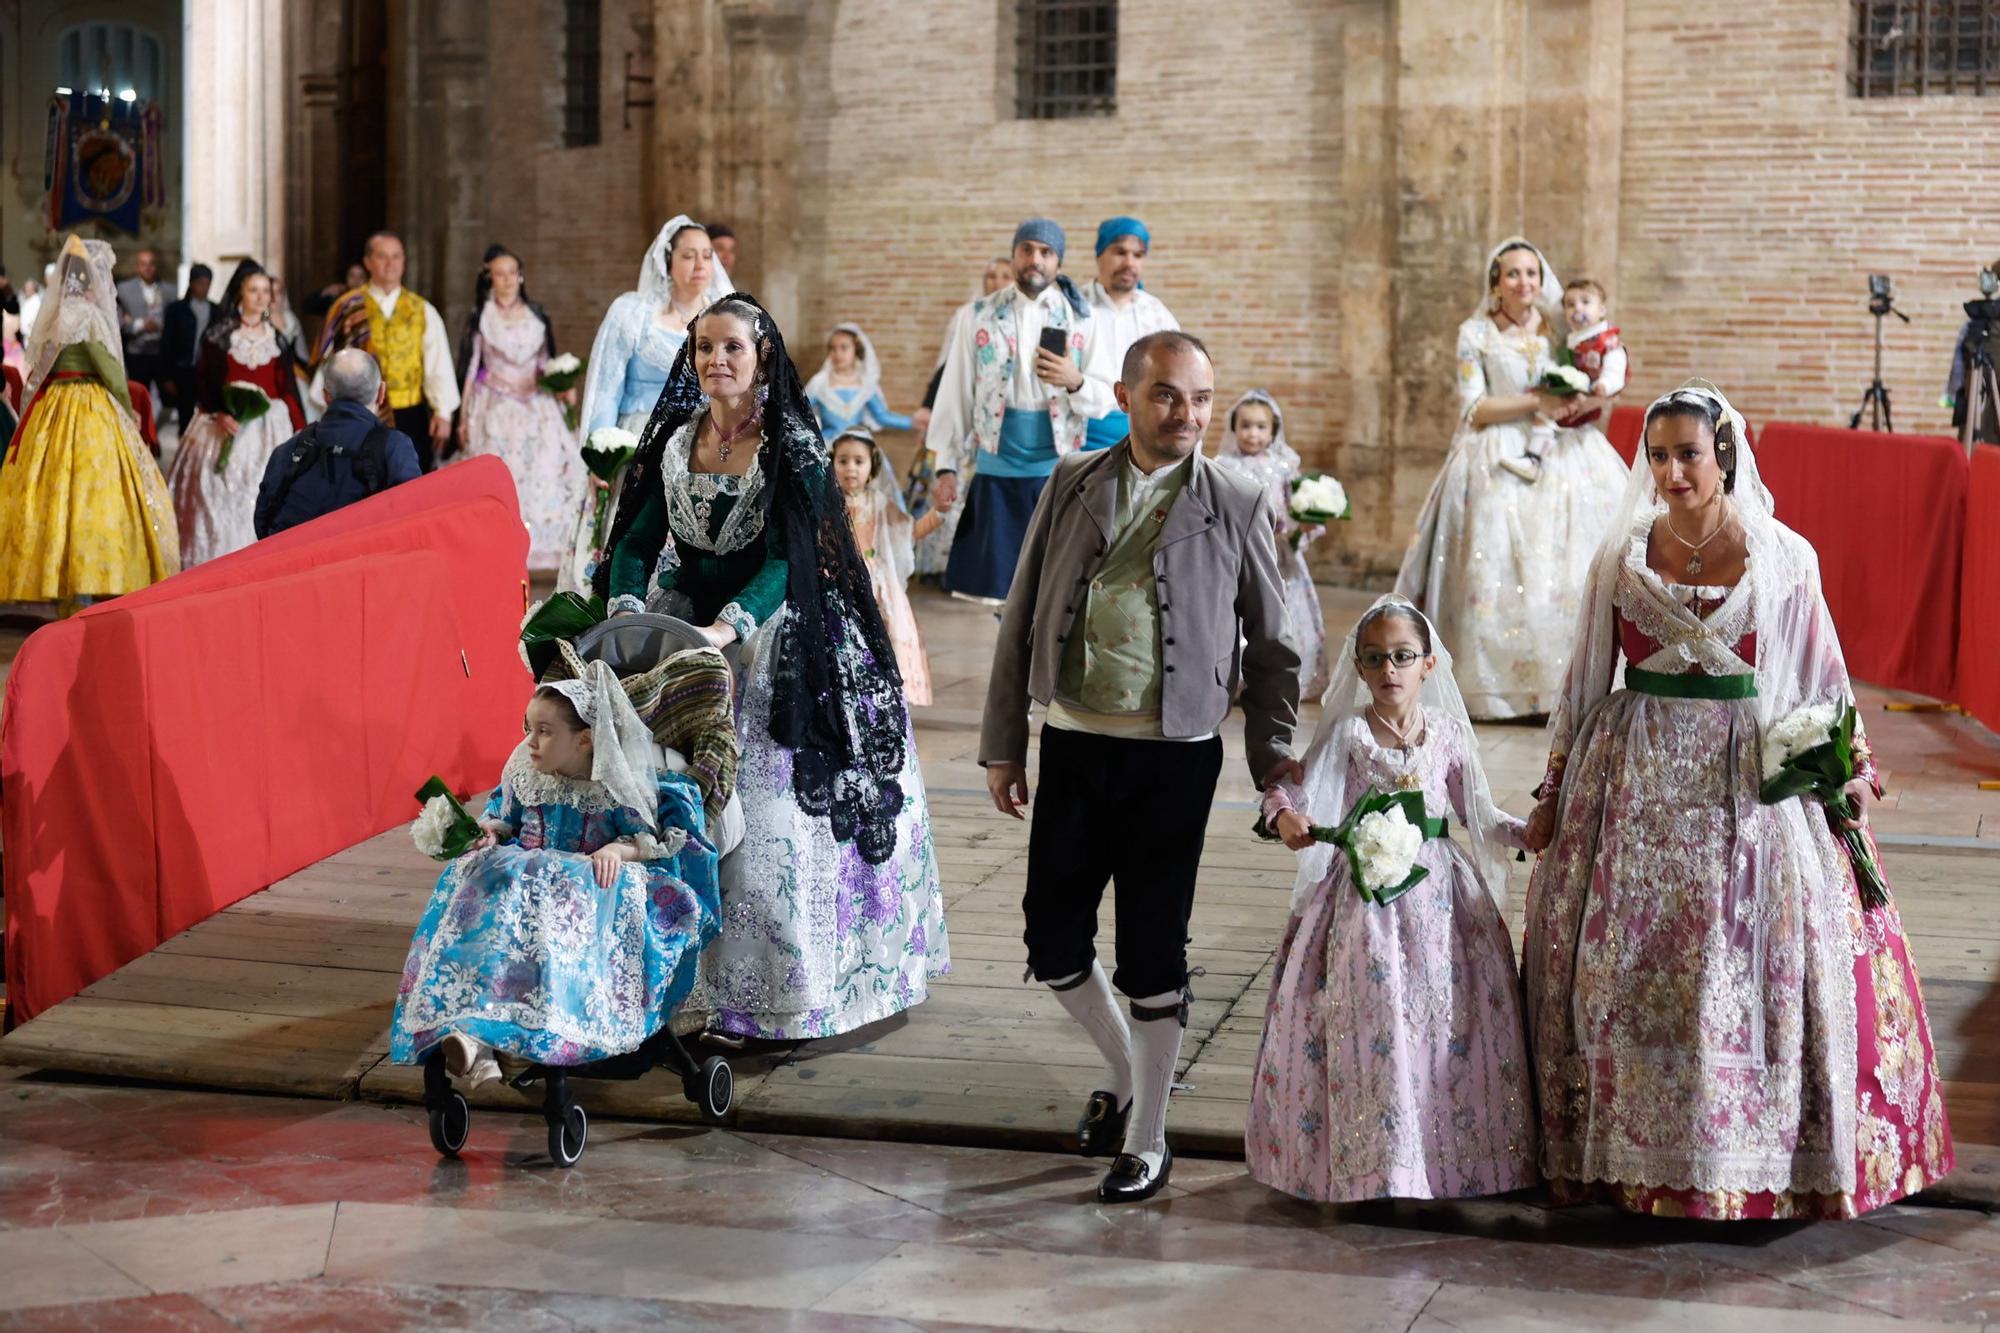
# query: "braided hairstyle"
[[1700, 407], [837, 698], [482, 292]]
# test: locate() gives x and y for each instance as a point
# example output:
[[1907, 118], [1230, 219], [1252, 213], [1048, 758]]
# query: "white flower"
[[1386, 844], [561, 365], [1797, 732], [432, 825], [611, 439], [1571, 376], [1319, 495]]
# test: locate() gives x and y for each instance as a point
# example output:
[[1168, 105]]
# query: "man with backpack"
[[345, 456]]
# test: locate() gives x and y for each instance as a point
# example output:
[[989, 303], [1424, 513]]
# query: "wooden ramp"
[[291, 991]]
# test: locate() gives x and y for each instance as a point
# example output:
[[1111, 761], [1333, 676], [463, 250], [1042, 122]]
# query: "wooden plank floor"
[[291, 990]]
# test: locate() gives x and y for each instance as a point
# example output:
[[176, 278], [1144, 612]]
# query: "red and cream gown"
[[216, 506], [1718, 1028]]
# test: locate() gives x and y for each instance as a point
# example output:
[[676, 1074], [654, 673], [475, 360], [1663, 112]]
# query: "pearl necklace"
[[1408, 781]]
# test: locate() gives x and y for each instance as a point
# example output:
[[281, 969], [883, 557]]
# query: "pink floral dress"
[[1719, 1029], [1393, 1062]]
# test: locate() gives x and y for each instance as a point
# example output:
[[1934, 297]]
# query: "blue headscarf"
[[1044, 231], [1111, 229]]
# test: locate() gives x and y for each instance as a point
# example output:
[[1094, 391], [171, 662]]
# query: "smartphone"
[[1056, 341]]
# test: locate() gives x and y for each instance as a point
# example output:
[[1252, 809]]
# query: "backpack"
[[371, 464]]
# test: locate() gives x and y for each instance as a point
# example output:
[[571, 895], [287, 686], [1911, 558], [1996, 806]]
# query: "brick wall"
[[1758, 195], [1322, 179], [576, 216]]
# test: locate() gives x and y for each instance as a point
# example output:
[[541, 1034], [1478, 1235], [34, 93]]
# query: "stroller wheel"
[[568, 1135], [451, 1121], [713, 1089]]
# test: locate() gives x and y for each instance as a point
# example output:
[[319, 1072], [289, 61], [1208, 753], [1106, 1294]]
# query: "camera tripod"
[[1875, 402], [1981, 392]]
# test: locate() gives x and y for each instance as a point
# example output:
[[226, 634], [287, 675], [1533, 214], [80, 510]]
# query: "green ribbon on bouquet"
[[1341, 835]]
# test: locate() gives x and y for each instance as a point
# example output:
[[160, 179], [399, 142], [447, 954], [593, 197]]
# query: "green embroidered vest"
[[1111, 660]]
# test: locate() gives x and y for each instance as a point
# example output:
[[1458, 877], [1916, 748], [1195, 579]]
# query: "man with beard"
[[1149, 575], [1119, 299], [1025, 375]]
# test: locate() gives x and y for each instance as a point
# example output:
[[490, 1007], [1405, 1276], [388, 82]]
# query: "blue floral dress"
[[521, 950]]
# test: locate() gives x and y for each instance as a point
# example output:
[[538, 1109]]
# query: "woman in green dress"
[[833, 916]]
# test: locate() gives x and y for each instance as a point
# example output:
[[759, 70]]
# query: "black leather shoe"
[[1128, 1180], [1100, 1131]]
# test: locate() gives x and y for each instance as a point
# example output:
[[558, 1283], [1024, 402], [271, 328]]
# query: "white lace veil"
[[622, 750], [1798, 654], [1327, 798], [1549, 302], [892, 514], [870, 368], [656, 271], [81, 305], [1280, 449]]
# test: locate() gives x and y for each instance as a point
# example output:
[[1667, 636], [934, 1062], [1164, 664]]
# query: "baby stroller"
[[635, 647]]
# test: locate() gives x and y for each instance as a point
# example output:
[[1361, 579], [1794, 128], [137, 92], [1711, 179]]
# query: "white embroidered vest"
[[994, 335]]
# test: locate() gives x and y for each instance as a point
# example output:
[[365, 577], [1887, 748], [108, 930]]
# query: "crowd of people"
[[1714, 1016]]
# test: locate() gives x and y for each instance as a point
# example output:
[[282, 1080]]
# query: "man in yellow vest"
[[408, 338]]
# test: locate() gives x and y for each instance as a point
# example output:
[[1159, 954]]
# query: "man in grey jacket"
[[1147, 586]]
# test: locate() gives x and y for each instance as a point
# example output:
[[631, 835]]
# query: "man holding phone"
[[1023, 378]]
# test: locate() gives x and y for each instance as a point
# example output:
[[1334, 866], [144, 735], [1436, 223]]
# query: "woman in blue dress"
[[636, 344], [572, 929], [833, 916], [847, 391]]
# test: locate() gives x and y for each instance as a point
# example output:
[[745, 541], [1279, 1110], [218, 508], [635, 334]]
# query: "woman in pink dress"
[[508, 414], [886, 536], [1721, 1028], [1393, 1061]]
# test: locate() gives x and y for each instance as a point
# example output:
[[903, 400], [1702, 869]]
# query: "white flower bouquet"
[[1810, 753], [1381, 835], [606, 451], [445, 829], [1317, 499], [559, 375], [1564, 381]]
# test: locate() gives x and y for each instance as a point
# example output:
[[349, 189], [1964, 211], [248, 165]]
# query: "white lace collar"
[[533, 787], [1581, 336], [1687, 639], [691, 497], [251, 348]]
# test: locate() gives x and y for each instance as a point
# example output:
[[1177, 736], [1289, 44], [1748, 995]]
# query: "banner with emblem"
[[102, 161]]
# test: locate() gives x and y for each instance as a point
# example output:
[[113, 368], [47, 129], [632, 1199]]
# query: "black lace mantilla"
[[837, 698]]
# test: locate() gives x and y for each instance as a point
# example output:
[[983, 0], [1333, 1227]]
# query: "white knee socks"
[[1097, 1010], [1156, 1049]]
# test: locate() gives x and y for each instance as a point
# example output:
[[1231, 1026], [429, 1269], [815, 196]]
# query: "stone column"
[[233, 184], [760, 153], [439, 139], [316, 42]]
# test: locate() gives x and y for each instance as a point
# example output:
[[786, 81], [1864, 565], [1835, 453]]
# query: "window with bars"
[[1911, 48], [583, 71], [1066, 61]]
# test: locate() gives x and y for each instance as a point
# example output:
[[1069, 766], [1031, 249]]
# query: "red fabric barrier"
[[1887, 515], [1978, 683], [173, 751], [1624, 428]]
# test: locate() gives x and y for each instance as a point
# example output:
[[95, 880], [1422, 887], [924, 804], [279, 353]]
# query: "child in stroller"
[[569, 934]]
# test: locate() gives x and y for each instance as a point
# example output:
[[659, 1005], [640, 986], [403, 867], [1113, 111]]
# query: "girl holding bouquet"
[[569, 931], [1496, 563], [508, 343], [1725, 1016], [1393, 1063], [247, 392], [1255, 446]]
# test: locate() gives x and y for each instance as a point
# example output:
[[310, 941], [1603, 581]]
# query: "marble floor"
[[139, 1208]]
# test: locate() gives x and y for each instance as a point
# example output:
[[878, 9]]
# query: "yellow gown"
[[84, 510]]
